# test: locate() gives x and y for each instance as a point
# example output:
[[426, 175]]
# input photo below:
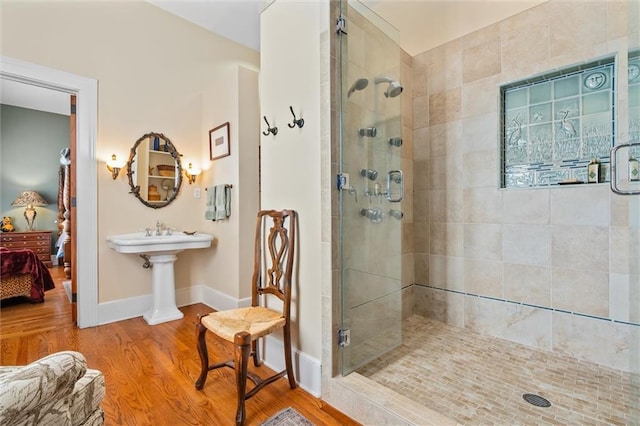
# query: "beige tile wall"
[[557, 249]]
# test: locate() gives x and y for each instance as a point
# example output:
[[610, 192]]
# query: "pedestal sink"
[[161, 251]]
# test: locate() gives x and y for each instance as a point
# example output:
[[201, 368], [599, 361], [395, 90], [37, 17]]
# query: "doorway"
[[85, 203]]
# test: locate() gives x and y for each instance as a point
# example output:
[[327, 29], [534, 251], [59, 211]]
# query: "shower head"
[[394, 89], [360, 84]]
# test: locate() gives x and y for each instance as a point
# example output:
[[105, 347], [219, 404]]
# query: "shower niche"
[[554, 125]]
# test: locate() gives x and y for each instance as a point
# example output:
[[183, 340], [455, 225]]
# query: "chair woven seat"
[[258, 321], [273, 263]]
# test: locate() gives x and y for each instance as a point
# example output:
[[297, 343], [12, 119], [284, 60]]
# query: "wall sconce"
[[191, 173], [114, 166]]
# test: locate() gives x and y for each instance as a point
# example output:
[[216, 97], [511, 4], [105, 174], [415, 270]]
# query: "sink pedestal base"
[[161, 251], [164, 290]]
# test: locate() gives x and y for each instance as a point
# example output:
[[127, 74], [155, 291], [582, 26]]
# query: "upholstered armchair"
[[55, 390]]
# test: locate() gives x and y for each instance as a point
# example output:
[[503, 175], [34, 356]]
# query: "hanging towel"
[[222, 202], [227, 197], [210, 213]]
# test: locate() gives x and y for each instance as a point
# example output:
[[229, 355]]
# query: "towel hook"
[[270, 130], [296, 122]]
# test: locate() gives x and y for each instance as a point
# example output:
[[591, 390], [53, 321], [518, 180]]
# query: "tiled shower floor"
[[476, 379]]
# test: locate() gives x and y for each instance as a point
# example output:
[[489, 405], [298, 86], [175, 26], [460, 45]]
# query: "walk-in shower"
[[478, 302]]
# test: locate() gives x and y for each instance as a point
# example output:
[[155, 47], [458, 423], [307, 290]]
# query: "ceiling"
[[238, 20], [422, 24]]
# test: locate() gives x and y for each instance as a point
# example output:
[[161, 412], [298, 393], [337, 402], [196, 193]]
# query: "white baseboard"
[[216, 299], [308, 370], [123, 309], [66, 284]]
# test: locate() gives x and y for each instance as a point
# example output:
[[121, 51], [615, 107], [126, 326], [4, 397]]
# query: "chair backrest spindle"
[[273, 273]]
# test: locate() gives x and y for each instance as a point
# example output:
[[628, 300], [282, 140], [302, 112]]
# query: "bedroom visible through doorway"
[[85, 131], [19, 317]]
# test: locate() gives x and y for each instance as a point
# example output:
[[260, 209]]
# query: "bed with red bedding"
[[19, 267]]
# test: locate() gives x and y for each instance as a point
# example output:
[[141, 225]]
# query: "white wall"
[[227, 267], [152, 70], [290, 76], [248, 188]]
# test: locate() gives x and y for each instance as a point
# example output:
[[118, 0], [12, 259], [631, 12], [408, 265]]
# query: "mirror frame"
[[135, 189]]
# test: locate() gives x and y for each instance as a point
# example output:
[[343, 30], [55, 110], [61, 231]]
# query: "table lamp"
[[29, 199]]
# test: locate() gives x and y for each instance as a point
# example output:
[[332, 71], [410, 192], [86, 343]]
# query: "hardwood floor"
[[149, 371]]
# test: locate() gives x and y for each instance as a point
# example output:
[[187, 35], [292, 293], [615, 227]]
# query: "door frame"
[[86, 218]]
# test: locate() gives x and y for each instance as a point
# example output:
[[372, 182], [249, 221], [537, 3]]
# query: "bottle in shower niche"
[[593, 171], [634, 170]]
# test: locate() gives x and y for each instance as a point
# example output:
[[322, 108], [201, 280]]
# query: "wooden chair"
[[272, 270]]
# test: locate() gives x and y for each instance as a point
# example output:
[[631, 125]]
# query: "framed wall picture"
[[219, 142]]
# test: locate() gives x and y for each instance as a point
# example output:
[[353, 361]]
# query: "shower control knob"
[[369, 132], [396, 214], [369, 174], [395, 141]]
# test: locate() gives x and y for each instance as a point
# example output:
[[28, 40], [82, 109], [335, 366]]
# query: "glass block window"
[[555, 124]]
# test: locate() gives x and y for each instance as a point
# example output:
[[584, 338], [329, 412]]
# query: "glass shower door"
[[372, 194]]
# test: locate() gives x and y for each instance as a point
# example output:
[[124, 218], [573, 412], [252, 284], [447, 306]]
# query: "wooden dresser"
[[38, 241]]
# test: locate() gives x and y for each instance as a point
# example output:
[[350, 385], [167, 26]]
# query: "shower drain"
[[536, 400]]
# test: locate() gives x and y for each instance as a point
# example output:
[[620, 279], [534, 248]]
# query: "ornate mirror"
[[154, 170]]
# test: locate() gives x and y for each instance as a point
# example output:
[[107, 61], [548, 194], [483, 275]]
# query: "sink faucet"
[[159, 228]]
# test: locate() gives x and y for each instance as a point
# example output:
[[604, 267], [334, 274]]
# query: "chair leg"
[[242, 343], [257, 362], [287, 356], [201, 331]]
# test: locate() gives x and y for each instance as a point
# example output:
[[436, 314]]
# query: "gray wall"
[[30, 144]]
